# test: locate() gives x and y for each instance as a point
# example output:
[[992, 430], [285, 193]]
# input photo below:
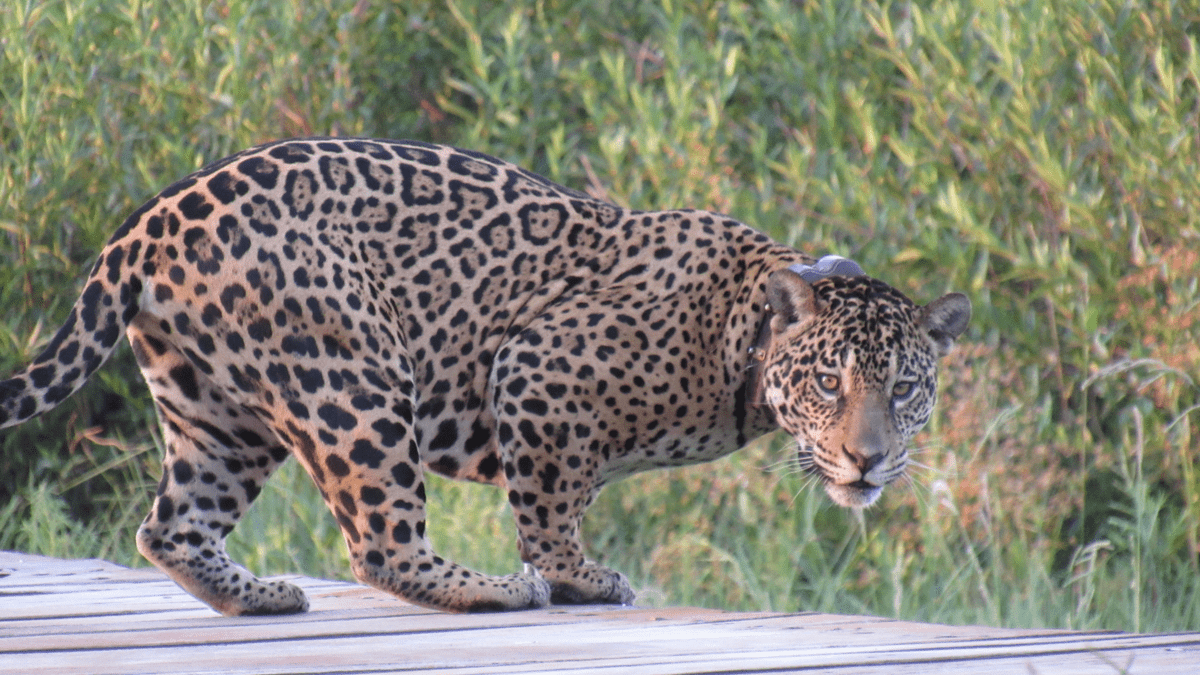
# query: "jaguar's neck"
[[750, 339]]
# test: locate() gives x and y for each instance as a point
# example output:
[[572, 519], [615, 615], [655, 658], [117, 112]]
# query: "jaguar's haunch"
[[379, 309]]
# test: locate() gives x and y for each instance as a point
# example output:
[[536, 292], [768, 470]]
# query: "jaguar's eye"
[[829, 384], [902, 390]]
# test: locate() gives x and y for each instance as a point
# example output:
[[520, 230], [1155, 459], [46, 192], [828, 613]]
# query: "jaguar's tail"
[[84, 342]]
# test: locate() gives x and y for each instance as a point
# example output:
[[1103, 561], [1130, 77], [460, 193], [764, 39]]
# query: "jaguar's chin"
[[857, 495]]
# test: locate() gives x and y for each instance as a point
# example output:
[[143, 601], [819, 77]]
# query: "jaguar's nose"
[[862, 461]]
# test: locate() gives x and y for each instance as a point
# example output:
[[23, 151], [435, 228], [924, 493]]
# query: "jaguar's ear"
[[945, 319], [791, 299]]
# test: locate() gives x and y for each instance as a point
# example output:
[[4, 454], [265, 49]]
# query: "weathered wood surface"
[[94, 617]]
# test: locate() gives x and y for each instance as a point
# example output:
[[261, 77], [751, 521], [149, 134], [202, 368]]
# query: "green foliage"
[[1041, 157]]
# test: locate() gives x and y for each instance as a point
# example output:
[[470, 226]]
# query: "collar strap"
[[758, 354]]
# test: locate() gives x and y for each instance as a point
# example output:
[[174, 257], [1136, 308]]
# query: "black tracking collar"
[[758, 354]]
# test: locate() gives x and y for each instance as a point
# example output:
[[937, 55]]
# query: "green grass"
[[1040, 156]]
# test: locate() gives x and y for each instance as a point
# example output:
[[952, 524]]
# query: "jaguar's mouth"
[[856, 495]]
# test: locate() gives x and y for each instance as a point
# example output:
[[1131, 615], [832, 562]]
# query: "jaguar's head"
[[850, 371]]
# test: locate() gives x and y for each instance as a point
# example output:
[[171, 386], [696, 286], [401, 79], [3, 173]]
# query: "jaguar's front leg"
[[548, 498], [553, 456], [365, 458]]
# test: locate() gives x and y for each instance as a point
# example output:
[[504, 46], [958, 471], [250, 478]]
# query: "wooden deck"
[[94, 617]]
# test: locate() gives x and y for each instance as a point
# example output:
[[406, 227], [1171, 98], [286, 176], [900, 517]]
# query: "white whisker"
[[809, 483]]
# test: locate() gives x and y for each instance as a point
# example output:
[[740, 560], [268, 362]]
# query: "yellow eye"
[[902, 389], [829, 383]]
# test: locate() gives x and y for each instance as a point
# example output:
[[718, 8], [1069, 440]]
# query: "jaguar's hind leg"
[[217, 458]]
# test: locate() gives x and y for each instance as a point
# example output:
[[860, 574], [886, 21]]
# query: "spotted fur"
[[379, 309]]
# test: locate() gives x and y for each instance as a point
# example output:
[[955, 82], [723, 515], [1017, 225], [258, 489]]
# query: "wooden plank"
[[94, 617], [696, 648]]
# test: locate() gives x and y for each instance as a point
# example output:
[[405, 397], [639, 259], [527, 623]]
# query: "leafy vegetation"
[[1041, 157]]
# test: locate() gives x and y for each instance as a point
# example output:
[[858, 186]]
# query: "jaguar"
[[382, 309]]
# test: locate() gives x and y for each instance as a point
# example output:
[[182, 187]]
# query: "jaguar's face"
[[851, 374]]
